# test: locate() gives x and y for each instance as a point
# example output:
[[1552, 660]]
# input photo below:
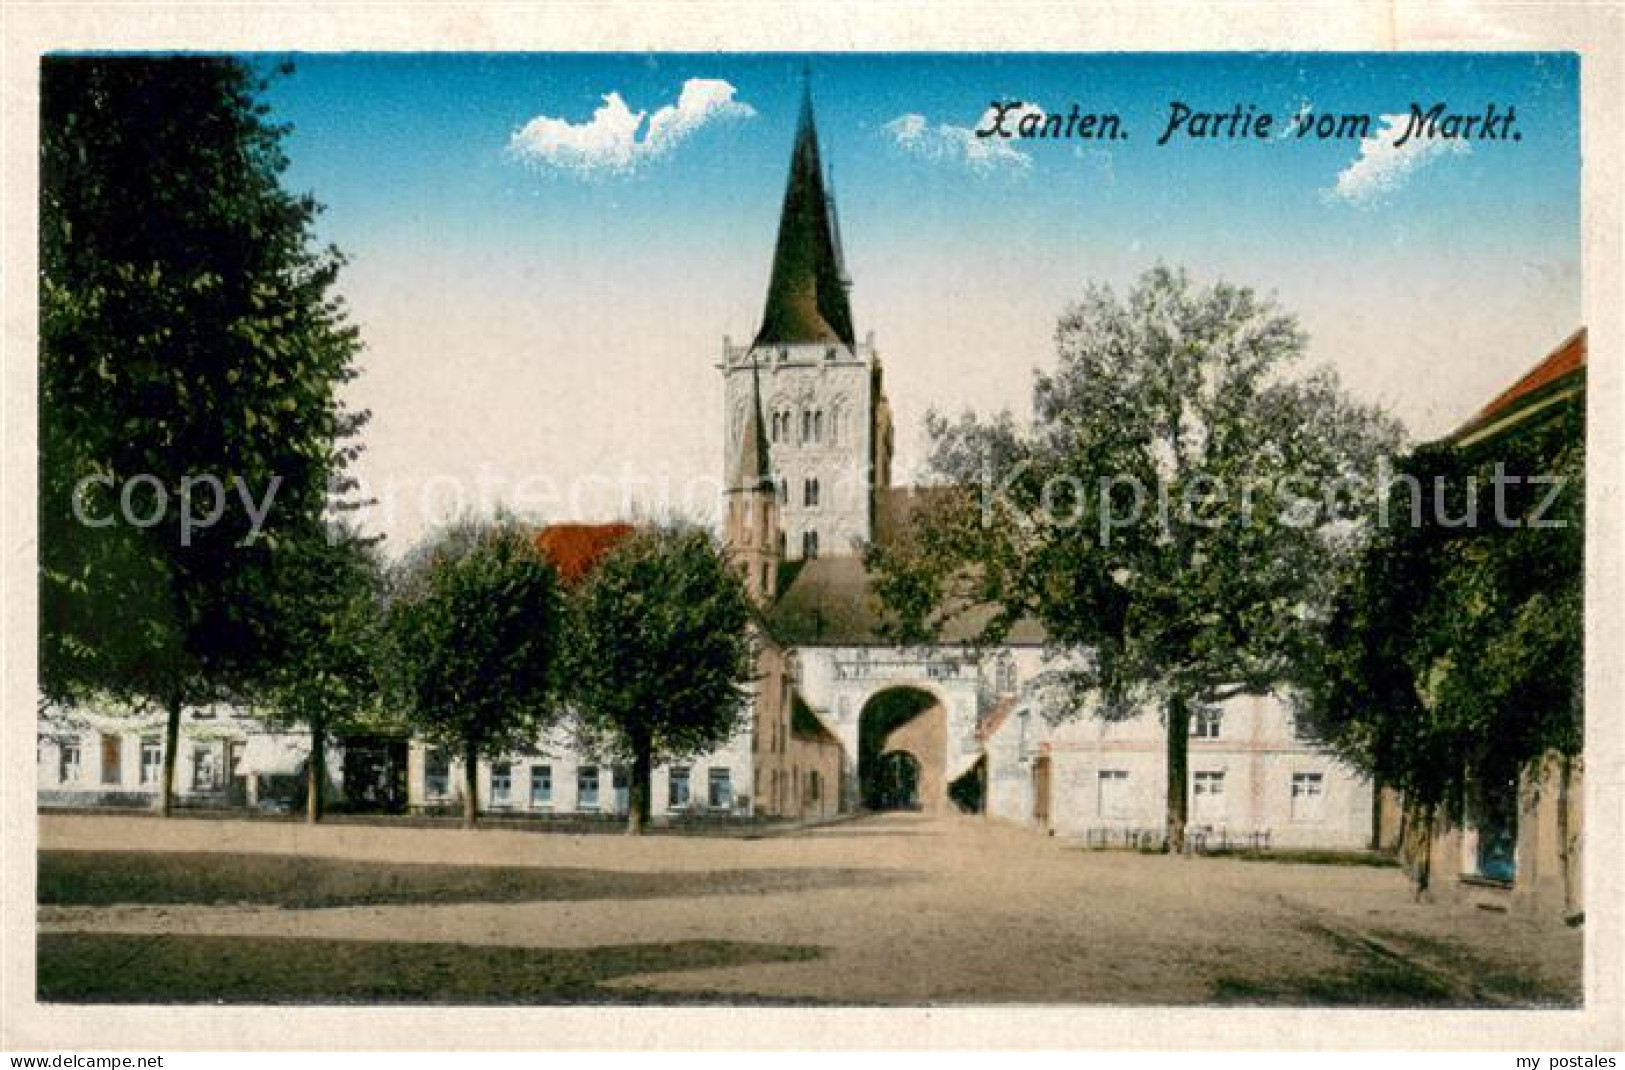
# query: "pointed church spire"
[[806, 297], [753, 469]]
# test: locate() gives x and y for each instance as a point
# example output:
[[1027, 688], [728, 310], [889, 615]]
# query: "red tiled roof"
[[1563, 361], [575, 549]]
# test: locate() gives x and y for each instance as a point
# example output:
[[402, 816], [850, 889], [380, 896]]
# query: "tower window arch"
[[839, 407]]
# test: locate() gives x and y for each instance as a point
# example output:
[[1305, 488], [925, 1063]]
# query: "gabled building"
[[1520, 841]]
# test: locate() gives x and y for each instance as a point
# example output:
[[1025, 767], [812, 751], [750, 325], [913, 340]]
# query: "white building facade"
[[228, 758], [1253, 779], [556, 778]]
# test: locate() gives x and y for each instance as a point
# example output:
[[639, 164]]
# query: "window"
[[810, 492], [587, 787], [205, 773], [501, 783], [809, 544], [784, 491], [806, 426], [829, 354], [1308, 789], [811, 795], [112, 752], [1205, 723], [818, 425], [1006, 677], [436, 774], [721, 796], [677, 795], [67, 769], [1208, 802], [541, 785], [1113, 794], [152, 759]]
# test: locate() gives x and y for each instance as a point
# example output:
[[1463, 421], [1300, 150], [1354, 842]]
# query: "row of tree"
[[1193, 516], [644, 660], [190, 332], [195, 487]]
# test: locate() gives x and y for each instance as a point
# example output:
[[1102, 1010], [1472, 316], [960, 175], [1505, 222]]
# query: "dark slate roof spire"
[[753, 469], [806, 297]]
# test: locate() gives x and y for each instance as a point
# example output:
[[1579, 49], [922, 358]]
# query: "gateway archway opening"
[[902, 751]]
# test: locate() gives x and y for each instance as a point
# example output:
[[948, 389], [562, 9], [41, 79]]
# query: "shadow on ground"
[[191, 968], [103, 878], [1393, 969]]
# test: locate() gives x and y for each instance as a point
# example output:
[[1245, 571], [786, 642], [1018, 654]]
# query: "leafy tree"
[[1454, 656], [475, 625], [188, 335], [1176, 516], [660, 653], [328, 674]]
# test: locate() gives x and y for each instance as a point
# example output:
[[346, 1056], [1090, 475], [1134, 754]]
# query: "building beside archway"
[[808, 442]]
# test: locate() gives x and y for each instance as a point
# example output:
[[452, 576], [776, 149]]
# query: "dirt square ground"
[[886, 909]]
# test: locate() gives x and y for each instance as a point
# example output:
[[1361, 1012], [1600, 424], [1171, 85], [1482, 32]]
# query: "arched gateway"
[[903, 751]]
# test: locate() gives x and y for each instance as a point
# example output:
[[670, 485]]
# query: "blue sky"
[[556, 304]]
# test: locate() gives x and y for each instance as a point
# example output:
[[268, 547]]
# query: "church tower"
[[822, 404], [751, 532]]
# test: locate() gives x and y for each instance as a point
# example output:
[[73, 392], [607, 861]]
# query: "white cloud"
[[945, 143], [1382, 167], [1289, 129], [610, 143]]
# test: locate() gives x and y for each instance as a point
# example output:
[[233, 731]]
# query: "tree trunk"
[[471, 785], [1565, 843], [172, 744], [637, 810], [1179, 727], [1420, 850], [316, 773], [1376, 814]]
